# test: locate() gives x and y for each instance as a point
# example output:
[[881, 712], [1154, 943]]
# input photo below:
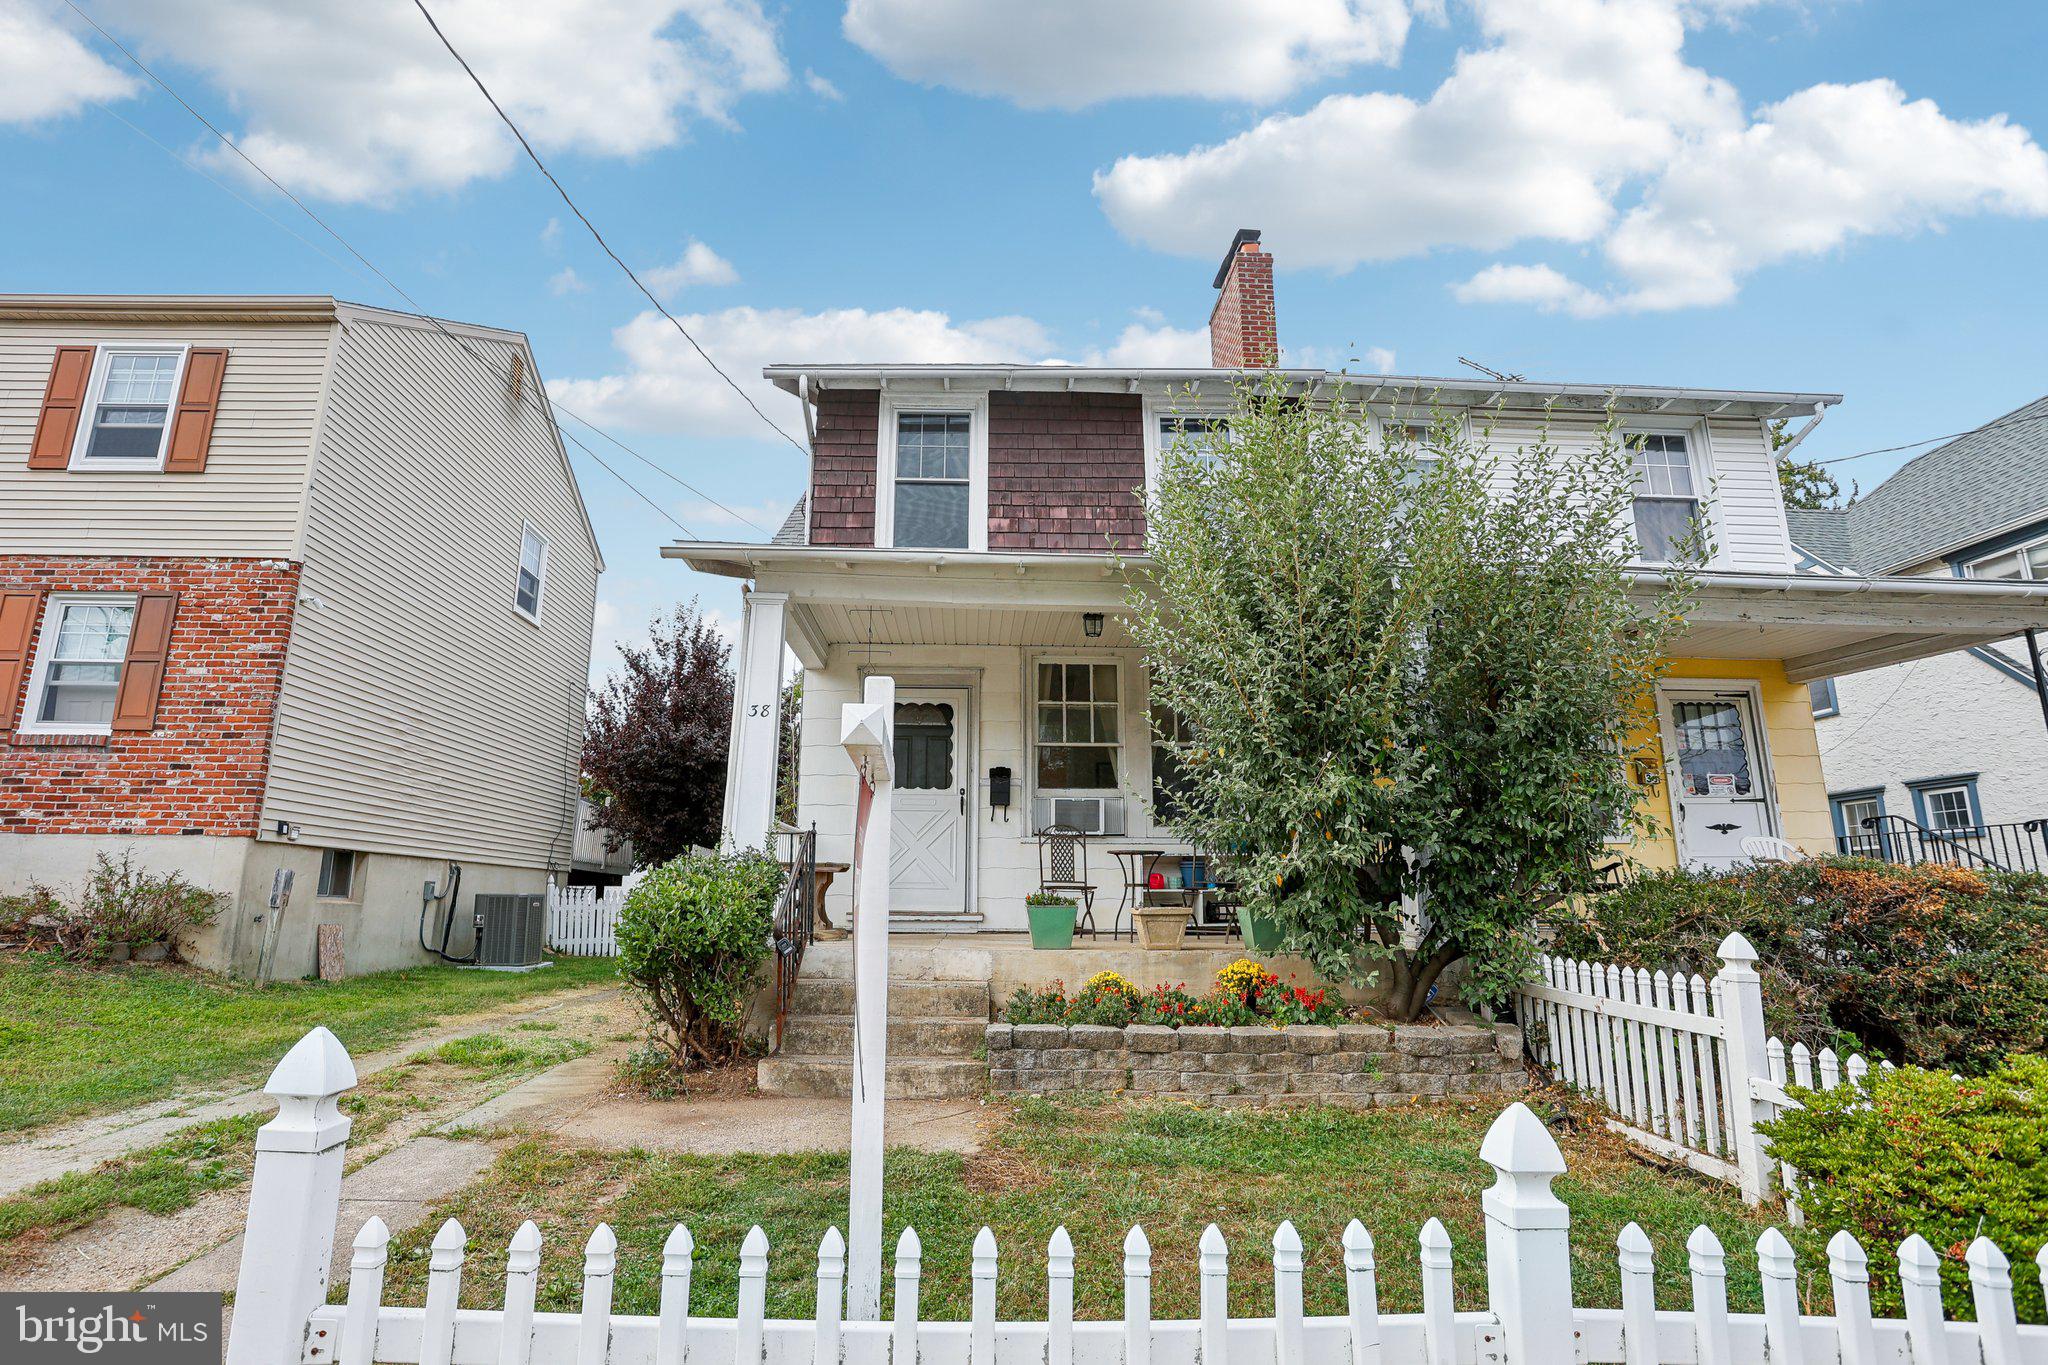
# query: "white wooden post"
[[522, 1280], [365, 1292], [1287, 1331], [1059, 1298], [1849, 1269], [1779, 1272], [1638, 1296], [600, 1263], [1742, 1015], [1439, 1296], [444, 1292], [756, 722], [294, 1201], [677, 1255], [1528, 1239], [1991, 1290], [1361, 1292], [1215, 1297], [1920, 1287], [981, 1275], [1138, 1297], [831, 1297], [867, 731], [752, 1307], [909, 1268], [1709, 1267]]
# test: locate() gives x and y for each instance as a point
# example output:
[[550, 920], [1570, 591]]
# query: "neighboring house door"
[[928, 841], [1720, 789]]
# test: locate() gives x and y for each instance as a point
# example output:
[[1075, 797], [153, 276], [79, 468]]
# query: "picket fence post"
[[1528, 1239], [1745, 1059], [294, 1201]]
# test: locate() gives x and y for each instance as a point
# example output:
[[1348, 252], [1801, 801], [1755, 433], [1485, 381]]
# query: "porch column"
[[756, 722]]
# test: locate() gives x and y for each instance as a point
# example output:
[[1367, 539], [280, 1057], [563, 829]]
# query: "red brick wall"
[[201, 770], [1064, 470], [1244, 330], [843, 467]]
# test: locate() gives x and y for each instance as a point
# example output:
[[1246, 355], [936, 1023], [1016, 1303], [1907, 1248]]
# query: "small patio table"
[[1137, 875]]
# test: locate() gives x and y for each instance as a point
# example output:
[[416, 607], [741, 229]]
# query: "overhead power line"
[[597, 236], [1952, 436], [418, 310]]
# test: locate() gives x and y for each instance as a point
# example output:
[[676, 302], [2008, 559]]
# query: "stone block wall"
[[1355, 1064]]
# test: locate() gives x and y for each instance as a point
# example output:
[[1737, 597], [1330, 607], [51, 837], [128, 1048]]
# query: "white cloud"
[[566, 281], [361, 103], [1066, 54], [1161, 348], [46, 71], [1380, 358], [666, 386], [1581, 122], [821, 86], [698, 264], [551, 234]]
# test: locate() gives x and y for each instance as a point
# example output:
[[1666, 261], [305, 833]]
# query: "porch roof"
[[1817, 625]]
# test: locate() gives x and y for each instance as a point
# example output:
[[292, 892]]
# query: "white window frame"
[[1123, 726], [39, 673], [1157, 408], [540, 588], [975, 405], [102, 361], [2023, 550], [1699, 455]]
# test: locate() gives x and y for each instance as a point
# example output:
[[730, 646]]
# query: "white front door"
[[928, 839], [1720, 793]]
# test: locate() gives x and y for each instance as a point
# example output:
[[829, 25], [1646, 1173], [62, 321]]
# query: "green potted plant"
[[1260, 931], [1052, 919]]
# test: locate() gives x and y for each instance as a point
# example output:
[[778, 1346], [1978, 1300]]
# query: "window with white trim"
[[77, 673], [128, 408], [1079, 730], [1945, 806], [1203, 436], [1667, 503], [934, 479], [533, 568], [2028, 562]]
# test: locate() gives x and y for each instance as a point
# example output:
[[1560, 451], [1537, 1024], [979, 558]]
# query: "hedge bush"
[[1932, 966], [693, 937], [1949, 1159]]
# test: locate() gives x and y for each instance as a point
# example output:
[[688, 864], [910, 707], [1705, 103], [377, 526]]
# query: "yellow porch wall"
[[1794, 755]]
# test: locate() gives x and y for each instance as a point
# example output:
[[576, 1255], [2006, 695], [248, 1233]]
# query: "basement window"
[[338, 869]]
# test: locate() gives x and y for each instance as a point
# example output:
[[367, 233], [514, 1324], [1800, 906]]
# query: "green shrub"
[[1933, 966], [123, 904], [1949, 1159], [693, 936]]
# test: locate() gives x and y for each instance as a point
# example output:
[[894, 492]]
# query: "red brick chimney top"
[[1243, 330]]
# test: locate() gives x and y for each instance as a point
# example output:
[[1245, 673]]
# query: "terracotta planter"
[[1161, 927]]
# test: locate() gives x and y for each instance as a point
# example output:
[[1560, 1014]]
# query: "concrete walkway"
[[45, 1155]]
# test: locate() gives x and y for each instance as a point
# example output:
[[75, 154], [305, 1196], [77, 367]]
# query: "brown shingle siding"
[[843, 468], [1064, 470]]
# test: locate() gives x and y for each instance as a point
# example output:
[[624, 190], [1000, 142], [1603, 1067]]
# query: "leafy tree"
[[654, 750], [1805, 483], [1400, 680]]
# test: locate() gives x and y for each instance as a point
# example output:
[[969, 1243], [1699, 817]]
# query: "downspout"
[[1820, 412], [2040, 679]]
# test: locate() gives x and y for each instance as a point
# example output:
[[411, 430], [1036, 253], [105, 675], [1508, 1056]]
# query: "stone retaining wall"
[[1356, 1064]]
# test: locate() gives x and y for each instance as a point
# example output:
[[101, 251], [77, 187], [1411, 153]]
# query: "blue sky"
[[1733, 193]]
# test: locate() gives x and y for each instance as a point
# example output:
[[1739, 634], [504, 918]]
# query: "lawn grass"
[[220, 1154], [1097, 1168], [78, 1040]]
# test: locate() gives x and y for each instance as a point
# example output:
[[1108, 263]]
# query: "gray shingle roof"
[[1825, 534], [791, 532], [1976, 486]]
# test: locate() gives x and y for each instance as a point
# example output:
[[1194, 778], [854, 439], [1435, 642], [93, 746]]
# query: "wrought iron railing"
[[2014, 846], [795, 914]]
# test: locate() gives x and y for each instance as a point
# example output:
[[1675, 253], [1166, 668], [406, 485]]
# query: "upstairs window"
[[128, 409], [533, 568], [933, 485], [1667, 504], [2029, 562], [78, 669]]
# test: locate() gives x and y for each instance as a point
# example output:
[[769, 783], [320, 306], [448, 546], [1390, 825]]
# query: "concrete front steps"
[[938, 1011]]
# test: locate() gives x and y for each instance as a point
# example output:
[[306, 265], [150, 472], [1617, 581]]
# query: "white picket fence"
[[583, 921], [1681, 1062], [281, 1313]]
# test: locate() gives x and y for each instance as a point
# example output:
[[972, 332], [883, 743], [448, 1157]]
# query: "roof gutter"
[[1820, 412]]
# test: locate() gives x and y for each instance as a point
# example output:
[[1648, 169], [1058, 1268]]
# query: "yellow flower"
[[1110, 983]]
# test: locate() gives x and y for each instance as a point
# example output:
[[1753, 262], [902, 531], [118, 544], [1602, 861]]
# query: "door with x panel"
[[928, 839]]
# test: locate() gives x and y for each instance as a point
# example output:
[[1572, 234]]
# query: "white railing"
[[583, 921], [281, 1313], [1682, 1063]]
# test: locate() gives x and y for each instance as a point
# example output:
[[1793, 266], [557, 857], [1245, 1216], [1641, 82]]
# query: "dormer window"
[[128, 410], [1667, 504]]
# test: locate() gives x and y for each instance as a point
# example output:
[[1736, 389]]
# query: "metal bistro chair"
[[1063, 866]]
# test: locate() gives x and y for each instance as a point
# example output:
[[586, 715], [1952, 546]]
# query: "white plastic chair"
[[1769, 848]]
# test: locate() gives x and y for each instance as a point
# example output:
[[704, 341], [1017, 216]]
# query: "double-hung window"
[[932, 489], [128, 408], [1667, 502], [1171, 737], [2028, 562], [1077, 735], [533, 568], [77, 674]]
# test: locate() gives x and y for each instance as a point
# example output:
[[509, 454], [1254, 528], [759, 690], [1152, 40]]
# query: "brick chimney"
[[1243, 332]]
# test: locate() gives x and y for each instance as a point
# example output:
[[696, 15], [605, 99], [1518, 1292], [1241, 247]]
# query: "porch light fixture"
[[1091, 624]]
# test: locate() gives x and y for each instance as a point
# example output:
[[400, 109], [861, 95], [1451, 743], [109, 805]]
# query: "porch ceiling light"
[[1091, 624]]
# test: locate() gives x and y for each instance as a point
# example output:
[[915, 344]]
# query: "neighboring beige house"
[[288, 583]]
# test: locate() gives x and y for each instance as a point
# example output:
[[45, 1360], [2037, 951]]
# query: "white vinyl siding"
[[419, 715], [246, 502]]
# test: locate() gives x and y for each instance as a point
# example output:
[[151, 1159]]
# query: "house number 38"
[[759, 708]]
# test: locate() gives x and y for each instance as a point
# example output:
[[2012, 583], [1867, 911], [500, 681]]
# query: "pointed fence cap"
[[450, 1237], [603, 1241], [317, 1066], [1985, 1255], [1357, 1246], [1060, 1244], [1633, 1241], [1917, 1262], [1519, 1144], [1135, 1242], [1285, 1238], [1735, 948], [985, 1244], [832, 1244], [679, 1243], [1846, 1257], [908, 1247], [1434, 1236], [527, 1238], [374, 1233], [1703, 1242], [522, 1257], [1212, 1243]]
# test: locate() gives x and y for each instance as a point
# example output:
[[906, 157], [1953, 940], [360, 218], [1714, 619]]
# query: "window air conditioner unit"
[[1089, 814], [510, 929]]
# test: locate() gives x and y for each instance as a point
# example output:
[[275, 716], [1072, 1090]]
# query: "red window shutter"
[[17, 642], [142, 676], [63, 401], [198, 399]]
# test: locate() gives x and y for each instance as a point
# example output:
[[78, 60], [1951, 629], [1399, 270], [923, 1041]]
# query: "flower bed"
[[1244, 993]]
